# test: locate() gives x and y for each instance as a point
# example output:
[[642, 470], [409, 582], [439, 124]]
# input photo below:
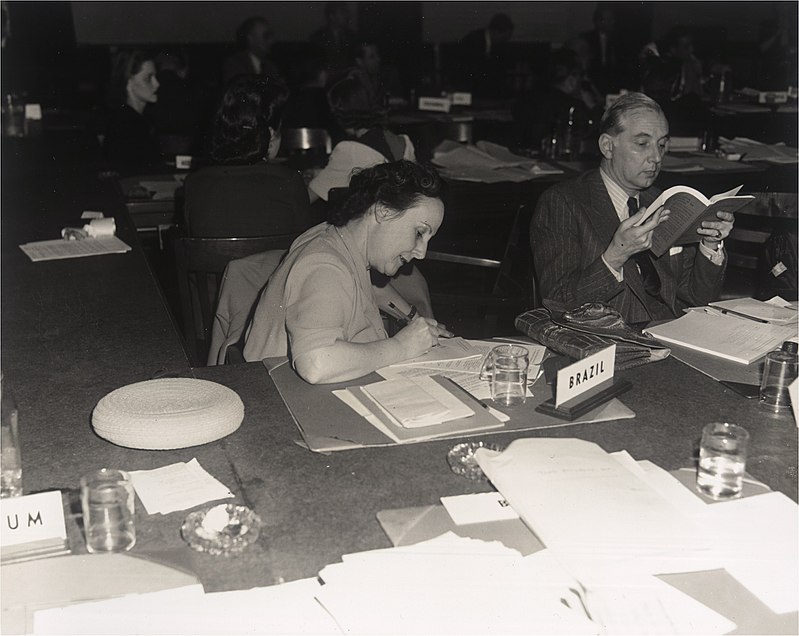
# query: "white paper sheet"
[[177, 487], [757, 540], [58, 249]]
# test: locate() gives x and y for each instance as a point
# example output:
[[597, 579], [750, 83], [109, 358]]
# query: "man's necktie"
[[649, 274]]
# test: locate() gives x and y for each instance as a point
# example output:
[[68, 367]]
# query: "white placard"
[[33, 112], [461, 99], [183, 162], [32, 518], [585, 375], [436, 104]]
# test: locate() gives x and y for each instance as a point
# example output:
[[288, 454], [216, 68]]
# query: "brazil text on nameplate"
[[586, 377], [32, 518]]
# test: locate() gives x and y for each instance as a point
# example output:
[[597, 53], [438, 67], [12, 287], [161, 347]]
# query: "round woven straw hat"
[[168, 413]]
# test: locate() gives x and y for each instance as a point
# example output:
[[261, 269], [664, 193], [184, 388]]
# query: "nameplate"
[[585, 376], [33, 112], [32, 518], [183, 162], [772, 97], [461, 99], [435, 104]]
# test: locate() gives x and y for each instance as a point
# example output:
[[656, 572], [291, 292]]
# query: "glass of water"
[[722, 460], [107, 499]]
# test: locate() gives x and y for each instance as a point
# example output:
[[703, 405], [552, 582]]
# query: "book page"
[[683, 210], [670, 192]]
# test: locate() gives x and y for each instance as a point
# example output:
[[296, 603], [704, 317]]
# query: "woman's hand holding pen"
[[421, 335]]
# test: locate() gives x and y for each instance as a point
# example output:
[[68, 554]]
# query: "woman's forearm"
[[348, 360]]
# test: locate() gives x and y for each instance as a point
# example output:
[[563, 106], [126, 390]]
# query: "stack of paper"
[[177, 487], [418, 408], [290, 608], [772, 311], [758, 151], [742, 341], [489, 163], [451, 585], [590, 506], [416, 402], [612, 522]]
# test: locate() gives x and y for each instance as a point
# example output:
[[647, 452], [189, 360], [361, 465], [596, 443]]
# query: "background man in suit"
[[254, 38], [485, 57], [586, 246]]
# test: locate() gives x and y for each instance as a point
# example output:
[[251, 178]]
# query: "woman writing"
[[320, 308]]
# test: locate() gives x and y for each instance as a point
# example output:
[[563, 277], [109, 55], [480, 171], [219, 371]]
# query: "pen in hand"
[[404, 318]]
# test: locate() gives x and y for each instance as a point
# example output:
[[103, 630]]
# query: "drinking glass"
[[722, 460], [107, 498], [505, 367], [779, 371]]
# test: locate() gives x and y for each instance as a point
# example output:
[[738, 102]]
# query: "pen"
[[740, 315], [405, 318]]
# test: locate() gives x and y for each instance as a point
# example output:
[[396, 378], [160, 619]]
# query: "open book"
[[688, 209]]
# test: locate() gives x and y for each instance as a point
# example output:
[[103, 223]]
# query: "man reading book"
[[587, 243]]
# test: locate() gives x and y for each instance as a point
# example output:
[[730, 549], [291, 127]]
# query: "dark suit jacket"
[[573, 224], [256, 200]]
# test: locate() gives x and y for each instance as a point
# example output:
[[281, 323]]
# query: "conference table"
[[74, 330]]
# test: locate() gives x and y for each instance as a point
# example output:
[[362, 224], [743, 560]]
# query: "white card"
[[478, 508]]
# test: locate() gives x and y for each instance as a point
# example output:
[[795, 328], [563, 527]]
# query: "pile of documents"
[[487, 162], [752, 150], [604, 515], [177, 487], [741, 330]]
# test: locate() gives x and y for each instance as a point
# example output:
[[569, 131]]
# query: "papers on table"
[[416, 402], [758, 151], [724, 336], [772, 311], [610, 520], [590, 506], [461, 362], [289, 608], [451, 585], [451, 410], [488, 163], [757, 540], [57, 249], [177, 487]]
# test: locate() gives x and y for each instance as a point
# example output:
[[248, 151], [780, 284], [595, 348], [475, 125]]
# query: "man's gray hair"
[[627, 103]]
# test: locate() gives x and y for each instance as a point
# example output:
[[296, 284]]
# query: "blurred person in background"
[[131, 141], [254, 40]]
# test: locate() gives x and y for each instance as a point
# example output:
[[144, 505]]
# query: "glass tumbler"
[[107, 499], [505, 367], [779, 371], [722, 460]]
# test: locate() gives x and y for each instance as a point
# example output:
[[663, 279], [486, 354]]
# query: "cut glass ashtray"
[[221, 530], [462, 461]]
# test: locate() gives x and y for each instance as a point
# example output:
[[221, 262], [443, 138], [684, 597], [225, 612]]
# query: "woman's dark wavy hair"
[[352, 105], [397, 185], [249, 108], [125, 64]]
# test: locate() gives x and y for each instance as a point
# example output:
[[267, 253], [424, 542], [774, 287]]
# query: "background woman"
[[242, 194], [131, 142], [320, 308]]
